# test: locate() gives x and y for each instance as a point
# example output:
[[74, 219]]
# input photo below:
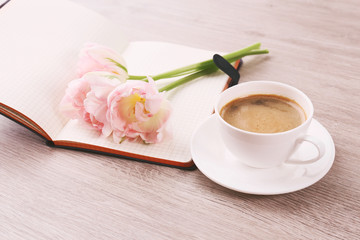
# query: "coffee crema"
[[263, 113]]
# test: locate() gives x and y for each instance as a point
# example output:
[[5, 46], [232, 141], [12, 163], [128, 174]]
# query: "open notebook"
[[39, 46]]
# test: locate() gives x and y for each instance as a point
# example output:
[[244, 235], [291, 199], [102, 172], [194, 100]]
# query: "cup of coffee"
[[262, 123]]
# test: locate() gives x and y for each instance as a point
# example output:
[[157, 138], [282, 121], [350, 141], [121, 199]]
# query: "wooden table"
[[48, 193]]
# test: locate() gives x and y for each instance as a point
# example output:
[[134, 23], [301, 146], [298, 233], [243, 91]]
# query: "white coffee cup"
[[266, 150]]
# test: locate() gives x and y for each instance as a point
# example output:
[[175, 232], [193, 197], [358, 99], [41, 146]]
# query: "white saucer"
[[214, 161]]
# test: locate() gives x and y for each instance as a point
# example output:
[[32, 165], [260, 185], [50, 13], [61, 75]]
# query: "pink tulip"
[[136, 110], [86, 99], [94, 57], [72, 104]]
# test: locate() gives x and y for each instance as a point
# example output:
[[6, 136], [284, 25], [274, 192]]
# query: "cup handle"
[[314, 141]]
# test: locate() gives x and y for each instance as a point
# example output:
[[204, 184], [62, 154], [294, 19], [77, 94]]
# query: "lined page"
[[192, 102], [39, 45]]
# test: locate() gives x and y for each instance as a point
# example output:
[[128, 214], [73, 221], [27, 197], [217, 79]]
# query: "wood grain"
[[48, 193]]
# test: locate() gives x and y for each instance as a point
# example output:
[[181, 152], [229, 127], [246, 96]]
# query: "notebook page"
[[39, 44], [192, 102]]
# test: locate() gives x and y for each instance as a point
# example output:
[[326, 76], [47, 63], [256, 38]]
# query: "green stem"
[[209, 69], [195, 68], [176, 73], [135, 77], [188, 78], [205, 64]]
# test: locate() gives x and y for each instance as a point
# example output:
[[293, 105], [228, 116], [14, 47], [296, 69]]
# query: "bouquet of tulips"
[[108, 99]]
